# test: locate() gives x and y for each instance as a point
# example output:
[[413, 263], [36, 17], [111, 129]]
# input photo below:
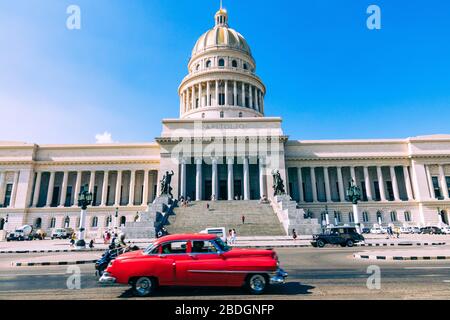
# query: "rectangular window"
[[351, 218], [407, 216], [437, 188], [68, 196], [221, 99], [376, 188], [364, 191], [394, 216], [94, 198], [365, 216], [55, 197], [8, 192], [390, 190]]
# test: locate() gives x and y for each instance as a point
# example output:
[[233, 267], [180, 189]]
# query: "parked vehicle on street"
[[194, 260], [377, 230], [445, 230], [430, 230], [39, 235], [61, 233], [21, 234], [366, 230], [220, 232], [415, 230], [343, 236], [406, 230]]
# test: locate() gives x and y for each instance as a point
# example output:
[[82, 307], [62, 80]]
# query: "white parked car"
[[377, 230], [445, 230], [406, 230], [220, 232]]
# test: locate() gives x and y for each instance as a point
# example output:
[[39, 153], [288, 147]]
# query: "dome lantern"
[[221, 18]]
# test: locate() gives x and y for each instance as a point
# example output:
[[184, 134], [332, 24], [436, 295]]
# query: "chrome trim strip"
[[229, 271]]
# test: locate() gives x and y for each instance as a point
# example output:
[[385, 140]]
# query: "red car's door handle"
[[193, 256]]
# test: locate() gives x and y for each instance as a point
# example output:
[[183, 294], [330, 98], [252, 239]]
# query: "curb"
[[275, 246], [400, 258], [401, 244], [58, 263]]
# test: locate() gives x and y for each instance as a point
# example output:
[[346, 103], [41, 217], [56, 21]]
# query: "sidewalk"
[[402, 255]]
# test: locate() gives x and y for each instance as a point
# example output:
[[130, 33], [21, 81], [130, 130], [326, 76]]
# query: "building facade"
[[222, 147]]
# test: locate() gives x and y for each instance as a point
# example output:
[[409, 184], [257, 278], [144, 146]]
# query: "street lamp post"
[[327, 216], [441, 221], [116, 219], [354, 195], [84, 200]]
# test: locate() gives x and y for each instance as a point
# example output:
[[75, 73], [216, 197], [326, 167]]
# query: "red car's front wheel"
[[144, 286], [256, 283]]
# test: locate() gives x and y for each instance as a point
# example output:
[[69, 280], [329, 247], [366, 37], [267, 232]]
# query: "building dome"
[[222, 80]]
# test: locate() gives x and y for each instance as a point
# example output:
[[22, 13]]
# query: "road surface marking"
[[415, 268]]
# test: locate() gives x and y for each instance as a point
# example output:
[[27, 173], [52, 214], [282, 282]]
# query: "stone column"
[[214, 179], [395, 184], [77, 189], [92, 182], [327, 184], [37, 188], [353, 174], [381, 184], [243, 94], [208, 93], [200, 95], [250, 89], [257, 98], [132, 187], [117, 201], [198, 180], [246, 172], [443, 181], [340, 184], [226, 93], [314, 184], [368, 184], [145, 191], [300, 185], [14, 190], [105, 188], [183, 178], [235, 93], [62, 201], [230, 179], [51, 185], [430, 182], [2, 184], [408, 183], [262, 179], [193, 97], [217, 93]]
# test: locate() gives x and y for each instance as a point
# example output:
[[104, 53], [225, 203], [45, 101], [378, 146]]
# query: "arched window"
[[393, 216], [123, 220], [380, 217], [234, 64], [351, 218], [221, 63], [245, 66], [2, 224], [94, 222], [365, 215], [108, 221], [208, 64], [198, 67], [221, 114], [52, 222], [66, 222], [240, 114], [203, 115], [38, 223], [407, 216]]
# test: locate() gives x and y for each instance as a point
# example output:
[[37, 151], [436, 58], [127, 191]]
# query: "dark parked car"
[[366, 230], [343, 236], [430, 230]]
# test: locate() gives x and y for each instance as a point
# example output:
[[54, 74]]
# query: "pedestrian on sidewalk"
[[233, 236], [72, 239], [294, 234], [91, 244], [230, 236], [243, 219], [207, 206]]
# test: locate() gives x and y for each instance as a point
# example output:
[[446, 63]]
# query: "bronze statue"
[[165, 182], [354, 193], [278, 184]]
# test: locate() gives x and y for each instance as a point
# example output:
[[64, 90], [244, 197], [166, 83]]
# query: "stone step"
[[260, 218]]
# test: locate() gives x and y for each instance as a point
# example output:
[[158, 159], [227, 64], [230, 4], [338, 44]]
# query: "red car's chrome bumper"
[[106, 278], [279, 277]]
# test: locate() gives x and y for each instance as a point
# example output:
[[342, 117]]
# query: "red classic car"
[[194, 260]]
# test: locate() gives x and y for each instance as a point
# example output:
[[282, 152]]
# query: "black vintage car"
[[343, 236], [430, 230]]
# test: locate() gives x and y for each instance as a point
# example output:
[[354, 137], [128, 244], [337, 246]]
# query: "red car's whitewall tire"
[[257, 283], [144, 286]]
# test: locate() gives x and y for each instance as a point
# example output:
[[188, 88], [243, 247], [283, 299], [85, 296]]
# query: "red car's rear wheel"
[[144, 286]]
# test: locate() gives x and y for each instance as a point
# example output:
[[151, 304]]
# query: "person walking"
[[294, 234], [230, 236], [72, 239], [243, 219], [207, 206], [233, 236]]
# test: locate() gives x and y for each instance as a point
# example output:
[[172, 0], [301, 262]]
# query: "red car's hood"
[[130, 255]]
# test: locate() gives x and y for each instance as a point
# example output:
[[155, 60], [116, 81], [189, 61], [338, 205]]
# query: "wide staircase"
[[260, 219]]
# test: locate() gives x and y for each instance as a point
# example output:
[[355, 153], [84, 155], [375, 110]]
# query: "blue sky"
[[326, 74]]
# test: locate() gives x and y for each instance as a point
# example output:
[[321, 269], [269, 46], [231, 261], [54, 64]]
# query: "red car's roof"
[[179, 237]]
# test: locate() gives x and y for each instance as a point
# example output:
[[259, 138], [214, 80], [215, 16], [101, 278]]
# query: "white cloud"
[[103, 138]]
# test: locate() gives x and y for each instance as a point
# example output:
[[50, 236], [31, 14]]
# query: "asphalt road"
[[329, 273]]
